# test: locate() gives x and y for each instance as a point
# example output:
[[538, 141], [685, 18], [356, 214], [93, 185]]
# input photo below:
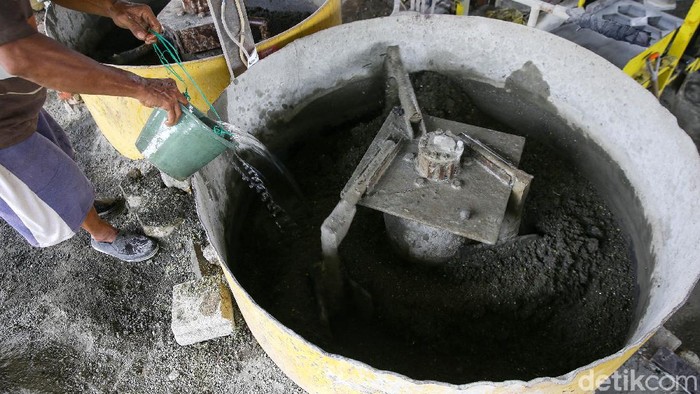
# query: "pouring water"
[[266, 175]]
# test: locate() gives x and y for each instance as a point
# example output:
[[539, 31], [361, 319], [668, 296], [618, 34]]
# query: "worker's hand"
[[138, 18], [164, 94]]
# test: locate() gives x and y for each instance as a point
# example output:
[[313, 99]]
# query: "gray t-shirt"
[[20, 100]]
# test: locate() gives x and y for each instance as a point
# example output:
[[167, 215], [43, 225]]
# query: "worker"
[[43, 194]]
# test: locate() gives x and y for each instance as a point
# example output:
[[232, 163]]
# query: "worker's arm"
[[45, 62], [138, 18]]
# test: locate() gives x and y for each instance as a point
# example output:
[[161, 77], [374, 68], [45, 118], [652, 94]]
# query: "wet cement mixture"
[[540, 306]]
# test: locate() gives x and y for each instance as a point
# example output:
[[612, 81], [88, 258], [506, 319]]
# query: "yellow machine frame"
[[671, 49]]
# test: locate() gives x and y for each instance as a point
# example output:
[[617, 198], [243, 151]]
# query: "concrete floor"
[[685, 323], [76, 321]]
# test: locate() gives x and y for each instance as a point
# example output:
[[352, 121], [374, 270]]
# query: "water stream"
[[264, 173]]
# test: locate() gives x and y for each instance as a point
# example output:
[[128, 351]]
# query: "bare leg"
[[99, 229]]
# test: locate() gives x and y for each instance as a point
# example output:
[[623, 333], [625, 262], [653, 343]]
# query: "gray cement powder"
[[542, 306]]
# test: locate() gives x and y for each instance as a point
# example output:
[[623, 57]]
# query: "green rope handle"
[[168, 49]]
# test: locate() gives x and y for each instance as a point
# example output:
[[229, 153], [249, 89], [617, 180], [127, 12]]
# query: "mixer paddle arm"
[[399, 83], [331, 290]]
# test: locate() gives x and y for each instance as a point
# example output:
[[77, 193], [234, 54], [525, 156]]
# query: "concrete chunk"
[[202, 310], [201, 266], [210, 254], [185, 186]]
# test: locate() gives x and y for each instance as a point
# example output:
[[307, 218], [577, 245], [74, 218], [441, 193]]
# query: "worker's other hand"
[[138, 18], [164, 94]]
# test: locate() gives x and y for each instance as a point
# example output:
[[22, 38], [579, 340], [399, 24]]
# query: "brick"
[[202, 310], [198, 38]]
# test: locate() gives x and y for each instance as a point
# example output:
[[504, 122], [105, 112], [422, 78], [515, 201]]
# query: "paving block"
[[688, 379], [202, 310]]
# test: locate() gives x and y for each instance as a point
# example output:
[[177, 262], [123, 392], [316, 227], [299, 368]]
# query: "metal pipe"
[[534, 16], [407, 96], [537, 5]]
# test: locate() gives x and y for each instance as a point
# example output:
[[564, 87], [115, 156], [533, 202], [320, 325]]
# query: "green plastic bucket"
[[182, 149]]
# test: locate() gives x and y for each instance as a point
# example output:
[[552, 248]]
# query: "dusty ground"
[[73, 320]]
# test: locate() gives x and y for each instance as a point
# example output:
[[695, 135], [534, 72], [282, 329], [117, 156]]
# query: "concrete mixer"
[[317, 95]]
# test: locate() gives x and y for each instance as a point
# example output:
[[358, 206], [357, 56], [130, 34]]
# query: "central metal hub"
[[464, 185], [438, 182], [439, 154]]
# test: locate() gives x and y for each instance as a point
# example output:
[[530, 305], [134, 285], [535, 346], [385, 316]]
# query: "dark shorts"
[[43, 193]]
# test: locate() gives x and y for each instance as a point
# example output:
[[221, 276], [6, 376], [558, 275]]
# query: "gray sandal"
[[128, 247]]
